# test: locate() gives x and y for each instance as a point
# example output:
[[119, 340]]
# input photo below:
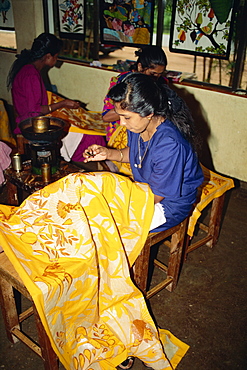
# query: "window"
[[230, 73]]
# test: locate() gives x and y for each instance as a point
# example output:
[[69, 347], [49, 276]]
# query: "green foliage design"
[[197, 19]]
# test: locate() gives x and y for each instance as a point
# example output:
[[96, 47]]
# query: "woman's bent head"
[[45, 44], [139, 94], [151, 61]]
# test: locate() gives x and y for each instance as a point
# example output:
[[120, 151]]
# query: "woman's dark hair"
[[44, 44], [150, 56], [140, 94]]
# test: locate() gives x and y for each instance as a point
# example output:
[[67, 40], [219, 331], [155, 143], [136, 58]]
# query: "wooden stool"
[[212, 194], [211, 230], [177, 245], [9, 279]]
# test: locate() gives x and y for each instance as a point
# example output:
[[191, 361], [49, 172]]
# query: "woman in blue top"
[[161, 145]]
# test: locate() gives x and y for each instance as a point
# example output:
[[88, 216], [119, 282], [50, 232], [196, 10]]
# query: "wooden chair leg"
[[215, 220], [176, 254], [49, 356], [141, 267], [211, 230], [10, 281], [9, 311], [177, 245]]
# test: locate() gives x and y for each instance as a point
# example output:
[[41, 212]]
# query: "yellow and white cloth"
[[213, 186], [80, 121], [5, 128], [72, 243]]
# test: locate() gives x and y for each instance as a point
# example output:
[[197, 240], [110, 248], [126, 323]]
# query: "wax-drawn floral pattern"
[[202, 27], [127, 22], [72, 243], [72, 15], [87, 121]]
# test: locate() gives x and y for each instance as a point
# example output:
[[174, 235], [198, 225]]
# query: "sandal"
[[127, 364]]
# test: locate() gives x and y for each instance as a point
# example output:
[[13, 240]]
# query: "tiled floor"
[[208, 309]]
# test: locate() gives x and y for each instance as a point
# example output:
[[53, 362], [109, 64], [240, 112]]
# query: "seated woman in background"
[[29, 94], [161, 145], [151, 61]]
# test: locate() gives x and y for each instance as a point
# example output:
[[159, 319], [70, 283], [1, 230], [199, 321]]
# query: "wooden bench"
[[10, 280]]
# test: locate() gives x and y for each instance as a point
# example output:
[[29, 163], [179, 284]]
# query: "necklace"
[[141, 158]]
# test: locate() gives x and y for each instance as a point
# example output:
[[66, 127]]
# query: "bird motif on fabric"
[[64, 208]]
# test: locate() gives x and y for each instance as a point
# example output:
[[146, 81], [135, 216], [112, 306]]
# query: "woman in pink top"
[[27, 87], [29, 92]]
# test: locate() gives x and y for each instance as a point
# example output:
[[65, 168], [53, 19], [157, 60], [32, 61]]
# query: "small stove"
[[44, 134]]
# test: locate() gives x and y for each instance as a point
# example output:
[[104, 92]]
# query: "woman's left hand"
[[95, 153], [71, 104]]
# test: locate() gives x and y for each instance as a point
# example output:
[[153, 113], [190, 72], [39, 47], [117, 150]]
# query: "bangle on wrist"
[[49, 107], [121, 154]]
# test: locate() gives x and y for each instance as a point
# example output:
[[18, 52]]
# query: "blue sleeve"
[[166, 178]]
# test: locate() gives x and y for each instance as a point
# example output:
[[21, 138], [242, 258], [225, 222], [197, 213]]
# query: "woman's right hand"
[[71, 104], [95, 153]]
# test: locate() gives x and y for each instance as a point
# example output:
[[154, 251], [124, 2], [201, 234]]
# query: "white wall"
[[224, 117], [88, 84]]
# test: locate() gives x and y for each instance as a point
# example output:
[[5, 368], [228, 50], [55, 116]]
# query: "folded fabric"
[[69, 144], [72, 244], [213, 186], [80, 120]]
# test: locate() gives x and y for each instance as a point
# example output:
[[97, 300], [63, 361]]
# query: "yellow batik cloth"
[[72, 244], [5, 129], [119, 140], [213, 186], [80, 120]]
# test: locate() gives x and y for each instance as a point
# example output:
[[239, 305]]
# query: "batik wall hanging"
[[6, 15], [71, 16], [126, 22], [202, 27]]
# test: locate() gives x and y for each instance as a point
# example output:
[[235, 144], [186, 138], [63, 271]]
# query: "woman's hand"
[[71, 104], [66, 103], [95, 153], [110, 116]]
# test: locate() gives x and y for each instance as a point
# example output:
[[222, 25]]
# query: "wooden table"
[[19, 183]]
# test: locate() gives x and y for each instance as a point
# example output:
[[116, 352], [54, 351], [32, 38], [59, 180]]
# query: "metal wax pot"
[[44, 134]]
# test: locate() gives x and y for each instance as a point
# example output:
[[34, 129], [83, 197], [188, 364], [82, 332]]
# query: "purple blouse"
[[28, 94]]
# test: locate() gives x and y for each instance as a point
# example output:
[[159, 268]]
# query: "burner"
[[45, 153], [44, 134]]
